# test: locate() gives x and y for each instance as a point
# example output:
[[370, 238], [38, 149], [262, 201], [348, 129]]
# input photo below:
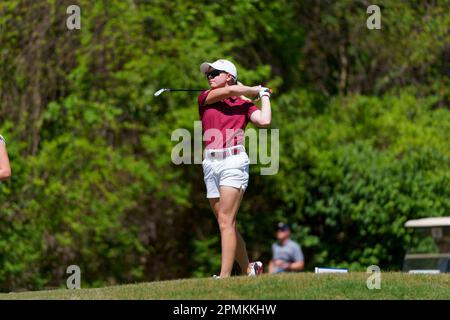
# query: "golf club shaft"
[[160, 91], [168, 89]]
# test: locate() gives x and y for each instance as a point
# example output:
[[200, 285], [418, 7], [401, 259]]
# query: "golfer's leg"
[[215, 205], [241, 252], [229, 204]]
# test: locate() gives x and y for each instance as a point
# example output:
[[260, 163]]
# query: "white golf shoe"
[[255, 269]]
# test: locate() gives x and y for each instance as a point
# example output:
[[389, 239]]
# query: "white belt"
[[223, 153]]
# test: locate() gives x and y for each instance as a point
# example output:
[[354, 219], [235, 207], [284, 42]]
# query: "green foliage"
[[206, 256]]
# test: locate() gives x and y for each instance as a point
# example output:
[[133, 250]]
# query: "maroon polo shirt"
[[232, 113]]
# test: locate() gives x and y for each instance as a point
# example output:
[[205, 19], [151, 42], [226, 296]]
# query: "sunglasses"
[[214, 74]]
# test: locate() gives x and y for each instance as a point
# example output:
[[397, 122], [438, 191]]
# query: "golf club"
[[160, 91]]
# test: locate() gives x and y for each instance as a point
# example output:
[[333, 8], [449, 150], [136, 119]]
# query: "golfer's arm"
[[296, 266], [262, 118], [219, 94], [5, 169]]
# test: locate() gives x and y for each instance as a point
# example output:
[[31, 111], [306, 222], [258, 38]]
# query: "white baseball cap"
[[222, 65]]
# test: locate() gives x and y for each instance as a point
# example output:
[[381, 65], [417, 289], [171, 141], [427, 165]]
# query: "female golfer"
[[225, 111], [5, 169]]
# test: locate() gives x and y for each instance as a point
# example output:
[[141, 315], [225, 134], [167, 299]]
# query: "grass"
[[277, 287]]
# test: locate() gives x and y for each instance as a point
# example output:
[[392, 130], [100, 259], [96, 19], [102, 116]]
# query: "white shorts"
[[221, 167]]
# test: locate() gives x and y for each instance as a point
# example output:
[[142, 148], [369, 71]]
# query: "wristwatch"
[[2, 139]]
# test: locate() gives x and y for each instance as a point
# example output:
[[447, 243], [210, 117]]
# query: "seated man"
[[287, 255], [5, 169]]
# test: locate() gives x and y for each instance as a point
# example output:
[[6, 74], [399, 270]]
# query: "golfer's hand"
[[264, 92]]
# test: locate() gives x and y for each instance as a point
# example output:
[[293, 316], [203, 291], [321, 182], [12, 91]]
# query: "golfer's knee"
[[226, 221]]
